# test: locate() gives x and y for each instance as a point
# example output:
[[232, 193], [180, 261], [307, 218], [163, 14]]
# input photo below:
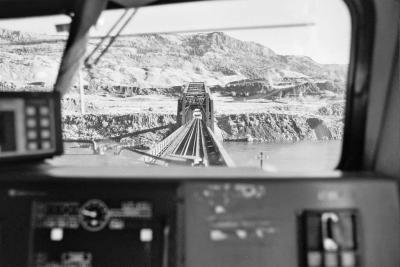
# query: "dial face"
[[94, 215]]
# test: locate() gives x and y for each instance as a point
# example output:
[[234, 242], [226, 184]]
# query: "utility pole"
[[81, 91], [261, 157]]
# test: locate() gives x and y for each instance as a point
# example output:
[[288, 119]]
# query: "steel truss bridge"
[[194, 142]]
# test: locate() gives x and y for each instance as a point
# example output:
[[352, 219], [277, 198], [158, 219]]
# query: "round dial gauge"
[[94, 215]]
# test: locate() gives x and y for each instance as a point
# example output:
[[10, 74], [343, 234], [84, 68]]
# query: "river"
[[301, 156]]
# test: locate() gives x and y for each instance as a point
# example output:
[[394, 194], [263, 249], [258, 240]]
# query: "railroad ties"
[[194, 142]]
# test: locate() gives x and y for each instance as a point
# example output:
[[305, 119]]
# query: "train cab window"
[[226, 83], [31, 51]]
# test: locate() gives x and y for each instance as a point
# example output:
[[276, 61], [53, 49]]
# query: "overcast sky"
[[328, 41]]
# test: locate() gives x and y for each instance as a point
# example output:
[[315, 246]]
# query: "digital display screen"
[[7, 131]]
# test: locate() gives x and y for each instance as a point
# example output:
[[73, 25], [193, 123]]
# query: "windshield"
[[231, 83], [30, 53]]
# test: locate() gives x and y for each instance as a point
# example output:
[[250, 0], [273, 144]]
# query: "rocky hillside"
[[275, 127], [24, 58], [159, 64], [161, 61]]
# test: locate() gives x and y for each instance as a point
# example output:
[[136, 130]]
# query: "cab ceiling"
[[27, 8]]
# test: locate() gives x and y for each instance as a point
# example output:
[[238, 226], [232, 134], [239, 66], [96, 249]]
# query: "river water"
[[302, 156]]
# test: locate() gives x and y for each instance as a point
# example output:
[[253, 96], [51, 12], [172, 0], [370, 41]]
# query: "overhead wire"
[[234, 28], [220, 29]]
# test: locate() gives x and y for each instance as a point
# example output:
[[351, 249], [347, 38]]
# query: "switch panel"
[[329, 238], [30, 125]]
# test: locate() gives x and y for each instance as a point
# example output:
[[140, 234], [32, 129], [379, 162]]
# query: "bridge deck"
[[192, 144]]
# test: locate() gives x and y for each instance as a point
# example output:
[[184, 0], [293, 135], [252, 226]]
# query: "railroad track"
[[193, 144]]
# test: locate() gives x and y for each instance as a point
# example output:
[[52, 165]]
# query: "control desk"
[[57, 218]]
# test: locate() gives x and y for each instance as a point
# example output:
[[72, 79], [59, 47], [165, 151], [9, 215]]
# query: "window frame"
[[362, 14]]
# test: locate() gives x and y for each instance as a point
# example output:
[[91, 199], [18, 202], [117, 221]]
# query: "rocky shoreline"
[[275, 127]]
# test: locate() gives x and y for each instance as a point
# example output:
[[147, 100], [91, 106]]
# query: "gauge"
[[94, 215]]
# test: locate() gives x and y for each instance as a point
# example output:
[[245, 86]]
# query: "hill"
[[163, 61]]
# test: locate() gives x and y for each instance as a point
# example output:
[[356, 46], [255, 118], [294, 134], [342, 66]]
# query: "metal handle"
[[165, 253], [328, 242]]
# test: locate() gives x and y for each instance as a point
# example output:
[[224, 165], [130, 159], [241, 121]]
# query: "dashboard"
[[78, 218]]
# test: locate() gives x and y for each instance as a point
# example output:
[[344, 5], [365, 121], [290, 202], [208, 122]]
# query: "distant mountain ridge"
[[19, 36], [162, 61], [15, 36]]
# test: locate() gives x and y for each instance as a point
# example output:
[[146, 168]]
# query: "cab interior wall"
[[382, 115], [31, 8], [386, 158]]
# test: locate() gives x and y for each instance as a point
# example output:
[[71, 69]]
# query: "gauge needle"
[[89, 213]]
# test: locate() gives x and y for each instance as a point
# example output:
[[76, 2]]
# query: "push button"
[[44, 111], [348, 259], [331, 259], [30, 111], [314, 259], [313, 223]]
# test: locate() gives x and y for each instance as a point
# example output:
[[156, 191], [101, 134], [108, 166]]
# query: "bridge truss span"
[[194, 142]]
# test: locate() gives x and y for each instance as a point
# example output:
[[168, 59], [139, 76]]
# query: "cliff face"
[[90, 126], [263, 127]]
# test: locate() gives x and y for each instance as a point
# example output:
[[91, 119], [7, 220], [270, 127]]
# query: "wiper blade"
[[88, 62], [105, 37]]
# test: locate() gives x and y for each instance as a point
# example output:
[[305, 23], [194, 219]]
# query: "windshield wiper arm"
[[105, 37], [112, 38]]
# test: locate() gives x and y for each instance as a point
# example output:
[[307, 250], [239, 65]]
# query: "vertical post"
[[261, 159], [179, 113], [207, 115], [81, 92], [211, 109]]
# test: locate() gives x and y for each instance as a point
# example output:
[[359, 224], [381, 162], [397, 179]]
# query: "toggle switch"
[[328, 238], [329, 242], [329, 221]]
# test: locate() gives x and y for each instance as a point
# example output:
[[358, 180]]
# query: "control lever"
[[329, 243], [328, 219], [165, 246], [329, 238]]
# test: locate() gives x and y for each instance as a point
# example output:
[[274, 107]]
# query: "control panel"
[[307, 223], [29, 125], [93, 215], [215, 223], [81, 234]]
